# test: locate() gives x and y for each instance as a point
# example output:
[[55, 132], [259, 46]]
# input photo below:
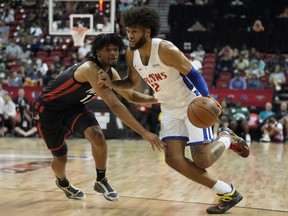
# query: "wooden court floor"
[[147, 186]]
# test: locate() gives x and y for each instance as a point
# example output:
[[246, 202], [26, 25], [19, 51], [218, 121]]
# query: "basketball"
[[203, 112]]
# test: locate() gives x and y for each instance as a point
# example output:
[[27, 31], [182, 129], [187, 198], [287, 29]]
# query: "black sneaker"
[[225, 202], [71, 192], [108, 192], [238, 144]]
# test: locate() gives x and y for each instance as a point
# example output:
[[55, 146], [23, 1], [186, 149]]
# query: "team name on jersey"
[[153, 79]]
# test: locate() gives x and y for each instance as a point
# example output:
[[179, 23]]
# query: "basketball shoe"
[[108, 192], [238, 144], [225, 202], [71, 191]]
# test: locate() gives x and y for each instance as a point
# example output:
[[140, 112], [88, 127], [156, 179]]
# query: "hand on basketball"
[[154, 141], [219, 105], [103, 78]]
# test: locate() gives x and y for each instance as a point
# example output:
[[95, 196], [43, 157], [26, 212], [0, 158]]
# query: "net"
[[78, 35]]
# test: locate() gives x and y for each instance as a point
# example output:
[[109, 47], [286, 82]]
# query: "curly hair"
[[143, 16], [102, 40]]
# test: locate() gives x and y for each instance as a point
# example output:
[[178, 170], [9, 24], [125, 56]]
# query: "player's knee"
[[94, 134], [173, 161]]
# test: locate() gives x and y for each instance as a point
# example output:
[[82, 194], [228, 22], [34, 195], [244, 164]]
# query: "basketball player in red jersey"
[[60, 110], [176, 83]]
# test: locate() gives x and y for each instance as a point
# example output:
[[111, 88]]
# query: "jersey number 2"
[[155, 87]]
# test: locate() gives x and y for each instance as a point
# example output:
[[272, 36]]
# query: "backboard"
[[98, 16]]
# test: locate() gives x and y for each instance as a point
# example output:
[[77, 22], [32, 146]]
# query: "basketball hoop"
[[78, 35]]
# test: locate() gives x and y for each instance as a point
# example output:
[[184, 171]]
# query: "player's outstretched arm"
[[88, 72], [130, 81], [120, 110], [129, 94]]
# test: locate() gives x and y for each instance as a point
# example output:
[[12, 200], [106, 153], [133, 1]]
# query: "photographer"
[[24, 125], [272, 130]]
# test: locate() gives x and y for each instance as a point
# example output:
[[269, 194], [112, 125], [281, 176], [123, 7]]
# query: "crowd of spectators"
[[30, 57], [234, 68]]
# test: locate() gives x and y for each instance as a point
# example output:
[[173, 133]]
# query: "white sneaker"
[[265, 138], [248, 138], [278, 88]]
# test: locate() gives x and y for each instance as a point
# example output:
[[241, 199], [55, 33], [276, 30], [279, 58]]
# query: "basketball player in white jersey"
[[175, 83]]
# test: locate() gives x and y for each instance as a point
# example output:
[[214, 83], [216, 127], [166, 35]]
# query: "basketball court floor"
[[147, 186]]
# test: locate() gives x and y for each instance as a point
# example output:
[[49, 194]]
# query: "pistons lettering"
[[153, 79]]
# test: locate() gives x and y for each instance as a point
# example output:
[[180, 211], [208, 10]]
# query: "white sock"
[[222, 187], [226, 140]]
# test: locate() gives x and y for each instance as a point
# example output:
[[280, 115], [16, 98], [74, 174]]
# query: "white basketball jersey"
[[167, 83]]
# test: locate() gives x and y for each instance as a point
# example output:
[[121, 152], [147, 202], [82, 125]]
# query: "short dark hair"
[[143, 16], [102, 40]]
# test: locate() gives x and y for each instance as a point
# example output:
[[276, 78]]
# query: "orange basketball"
[[203, 112]]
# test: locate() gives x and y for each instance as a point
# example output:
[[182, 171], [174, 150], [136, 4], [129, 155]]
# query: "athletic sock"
[[100, 174], [63, 182], [221, 187], [226, 140]]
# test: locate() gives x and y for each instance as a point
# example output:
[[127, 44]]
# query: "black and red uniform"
[[60, 109]]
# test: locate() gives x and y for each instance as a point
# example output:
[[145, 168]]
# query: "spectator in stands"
[[106, 25], [51, 74], [272, 130], [26, 54], [278, 59], [15, 80], [195, 62], [48, 44], [266, 113], [4, 32], [282, 117], [84, 50], [4, 73], [41, 66], [9, 114], [36, 29], [2, 91], [58, 64], [226, 52], [225, 64], [225, 60], [237, 82], [21, 101], [239, 117], [13, 50], [36, 45], [253, 54], [9, 15], [241, 63], [223, 119], [25, 124], [254, 69], [196, 26], [200, 53], [35, 77], [277, 78], [244, 51], [257, 26], [253, 82], [3, 129]]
